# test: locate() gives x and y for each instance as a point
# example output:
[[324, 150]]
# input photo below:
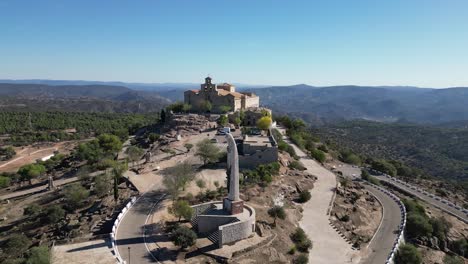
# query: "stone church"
[[219, 96]]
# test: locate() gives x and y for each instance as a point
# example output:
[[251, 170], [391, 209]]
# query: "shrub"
[[318, 155], [277, 212], [297, 165], [460, 247], [4, 181], [54, 214], [17, 245], [103, 184], [208, 152], [76, 194], [345, 218], [38, 255], [453, 260], [292, 250], [304, 196], [417, 226], [181, 209], [32, 210], [184, 237], [301, 240], [302, 259], [201, 183], [408, 254]]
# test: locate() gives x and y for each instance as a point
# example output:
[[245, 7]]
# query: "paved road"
[[328, 245], [382, 242], [131, 230], [425, 196]]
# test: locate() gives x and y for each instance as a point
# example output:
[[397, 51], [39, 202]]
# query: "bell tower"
[[208, 86]]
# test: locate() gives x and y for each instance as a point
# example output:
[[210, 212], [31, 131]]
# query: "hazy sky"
[[326, 42]]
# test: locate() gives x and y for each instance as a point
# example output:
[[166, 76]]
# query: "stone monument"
[[230, 220], [232, 204]]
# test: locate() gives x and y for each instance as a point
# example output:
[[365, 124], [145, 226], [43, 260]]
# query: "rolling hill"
[[388, 104], [87, 98]]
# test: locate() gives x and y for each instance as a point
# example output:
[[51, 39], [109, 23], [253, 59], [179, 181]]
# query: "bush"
[[208, 152], [453, 260], [384, 166], [4, 181], [201, 183], [345, 218], [292, 250], [17, 245], [277, 212], [181, 208], [301, 240], [103, 184], [76, 195], [184, 237], [408, 254], [304, 196], [302, 259], [318, 155], [54, 214], [297, 165], [417, 226], [460, 247], [38, 255], [32, 210]]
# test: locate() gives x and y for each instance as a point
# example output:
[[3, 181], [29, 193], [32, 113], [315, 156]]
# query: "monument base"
[[233, 207]]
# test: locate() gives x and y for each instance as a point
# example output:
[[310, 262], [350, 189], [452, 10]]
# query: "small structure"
[[230, 220], [257, 149], [51, 185]]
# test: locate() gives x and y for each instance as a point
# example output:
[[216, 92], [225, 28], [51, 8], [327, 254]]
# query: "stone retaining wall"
[[237, 231]]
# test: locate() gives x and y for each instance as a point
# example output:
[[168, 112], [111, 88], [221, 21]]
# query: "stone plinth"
[[233, 207]]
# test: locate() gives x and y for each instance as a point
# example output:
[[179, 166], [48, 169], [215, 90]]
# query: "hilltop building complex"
[[217, 98]]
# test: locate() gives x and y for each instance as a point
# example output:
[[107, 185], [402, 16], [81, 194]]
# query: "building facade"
[[217, 98], [256, 150]]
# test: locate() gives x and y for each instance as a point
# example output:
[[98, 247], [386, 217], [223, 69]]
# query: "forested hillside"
[[408, 104], [24, 128], [77, 98], [439, 152]]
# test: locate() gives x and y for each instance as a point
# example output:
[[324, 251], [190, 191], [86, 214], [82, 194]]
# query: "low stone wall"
[[237, 231], [201, 208], [209, 223]]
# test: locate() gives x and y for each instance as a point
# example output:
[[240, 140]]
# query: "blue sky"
[[362, 42]]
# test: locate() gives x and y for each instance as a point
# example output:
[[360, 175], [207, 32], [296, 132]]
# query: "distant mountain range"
[[388, 104], [93, 98], [315, 104]]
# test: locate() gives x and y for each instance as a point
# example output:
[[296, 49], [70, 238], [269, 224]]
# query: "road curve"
[[131, 230], [382, 243], [425, 196]]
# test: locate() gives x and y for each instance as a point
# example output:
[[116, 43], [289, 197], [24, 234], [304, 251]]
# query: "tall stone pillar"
[[233, 204]]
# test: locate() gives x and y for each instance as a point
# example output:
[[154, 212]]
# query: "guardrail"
[[401, 229], [435, 197], [116, 225]]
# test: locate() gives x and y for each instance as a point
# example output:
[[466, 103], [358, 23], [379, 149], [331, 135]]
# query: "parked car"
[[214, 140]]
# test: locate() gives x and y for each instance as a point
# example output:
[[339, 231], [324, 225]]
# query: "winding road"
[[382, 242], [427, 197], [131, 239]]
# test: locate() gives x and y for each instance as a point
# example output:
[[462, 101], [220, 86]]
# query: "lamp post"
[[129, 255]]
